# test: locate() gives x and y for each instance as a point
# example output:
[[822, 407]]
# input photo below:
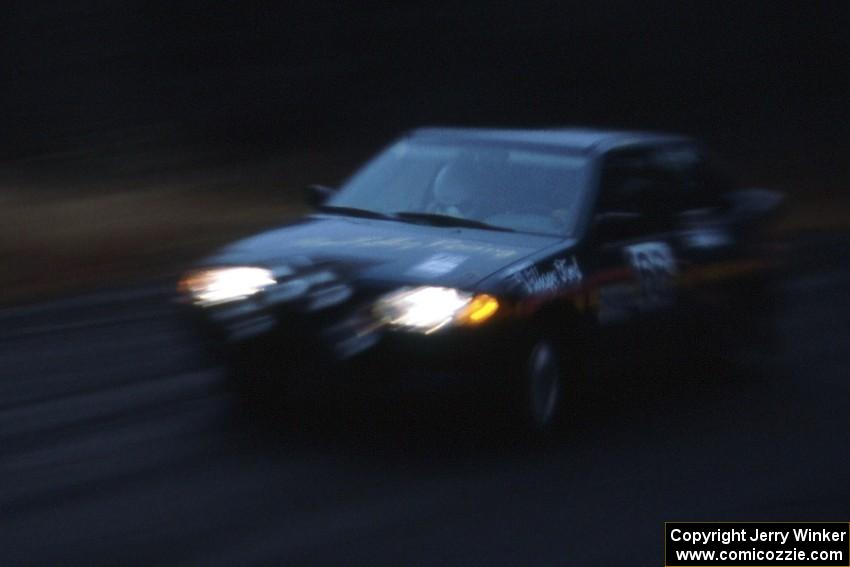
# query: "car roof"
[[584, 140]]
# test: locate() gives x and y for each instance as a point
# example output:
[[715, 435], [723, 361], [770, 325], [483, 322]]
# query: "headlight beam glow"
[[427, 309], [220, 285]]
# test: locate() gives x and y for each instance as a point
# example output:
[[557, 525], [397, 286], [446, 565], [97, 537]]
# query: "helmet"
[[455, 182]]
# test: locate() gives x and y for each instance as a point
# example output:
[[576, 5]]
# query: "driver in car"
[[453, 189], [464, 188]]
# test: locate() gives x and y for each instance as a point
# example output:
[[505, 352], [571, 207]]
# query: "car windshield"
[[523, 190]]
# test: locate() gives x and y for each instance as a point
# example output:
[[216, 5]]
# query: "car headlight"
[[220, 285], [428, 309]]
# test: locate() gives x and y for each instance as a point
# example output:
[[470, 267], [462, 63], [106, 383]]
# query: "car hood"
[[385, 251]]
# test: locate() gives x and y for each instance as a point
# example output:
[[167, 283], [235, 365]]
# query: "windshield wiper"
[[434, 219], [437, 219], [353, 212]]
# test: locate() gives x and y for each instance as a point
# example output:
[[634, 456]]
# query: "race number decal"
[[655, 267]]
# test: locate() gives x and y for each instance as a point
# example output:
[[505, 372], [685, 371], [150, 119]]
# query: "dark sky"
[[279, 74]]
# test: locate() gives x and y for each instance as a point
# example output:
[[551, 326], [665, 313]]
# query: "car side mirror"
[[317, 195], [616, 225]]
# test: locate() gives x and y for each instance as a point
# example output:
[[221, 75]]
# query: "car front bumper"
[[353, 352]]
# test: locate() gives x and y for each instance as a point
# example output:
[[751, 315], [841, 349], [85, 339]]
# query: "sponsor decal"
[[437, 265], [564, 273], [408, 243], [455, 245], [655, 266], [396, 243]]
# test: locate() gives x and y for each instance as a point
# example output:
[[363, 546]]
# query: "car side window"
[[637, 189], [699, 181]]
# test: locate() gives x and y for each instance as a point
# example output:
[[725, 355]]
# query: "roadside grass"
[[58, 244], [65, 233]]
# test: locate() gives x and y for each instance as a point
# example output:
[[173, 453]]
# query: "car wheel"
[[541, 387]]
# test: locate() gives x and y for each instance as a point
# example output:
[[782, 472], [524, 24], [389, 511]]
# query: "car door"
[[700, 215], [632, 238], [709, 244]]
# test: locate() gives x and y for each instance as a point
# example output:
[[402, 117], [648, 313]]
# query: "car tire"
[[539, 388]]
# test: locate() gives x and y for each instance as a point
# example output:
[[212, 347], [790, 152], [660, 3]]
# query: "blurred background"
[[140, 135]]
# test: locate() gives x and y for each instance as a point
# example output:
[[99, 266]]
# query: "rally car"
[[490, 256]]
